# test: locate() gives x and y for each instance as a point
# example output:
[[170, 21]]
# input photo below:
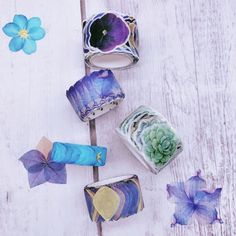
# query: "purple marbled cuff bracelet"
[[95, 94]]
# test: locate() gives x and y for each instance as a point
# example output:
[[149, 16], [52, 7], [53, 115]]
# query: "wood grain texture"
[[92, 123], [186, 72], [33, 104]]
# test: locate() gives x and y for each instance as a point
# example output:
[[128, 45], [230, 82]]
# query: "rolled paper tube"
[[95, 94], [150, 137], [84, 155], [110, 41], [115, 198]]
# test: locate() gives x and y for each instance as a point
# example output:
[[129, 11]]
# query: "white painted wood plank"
[[33, 104], [213, 29], [186, 72]]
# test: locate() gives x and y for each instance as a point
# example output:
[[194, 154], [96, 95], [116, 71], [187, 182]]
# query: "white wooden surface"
[[186, 71]]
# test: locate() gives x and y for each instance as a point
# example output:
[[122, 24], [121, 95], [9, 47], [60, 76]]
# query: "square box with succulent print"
[[150, 137]]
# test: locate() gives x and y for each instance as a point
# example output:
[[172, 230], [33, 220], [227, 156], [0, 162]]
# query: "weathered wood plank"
[[212, 30], [92, 123], [33, 104], [185, 72]]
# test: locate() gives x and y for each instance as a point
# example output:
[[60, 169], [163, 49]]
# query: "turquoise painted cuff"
[[150, 137], [95, 94], [115, 198], [110, 41], [83, 155]]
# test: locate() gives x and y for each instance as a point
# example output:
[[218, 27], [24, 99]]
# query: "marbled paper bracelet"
[[46, 163], [150, 137], [110, 41], [95, 94], [115, 198], [84, 155]]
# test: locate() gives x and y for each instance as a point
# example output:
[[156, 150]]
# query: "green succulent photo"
[[160, 143]]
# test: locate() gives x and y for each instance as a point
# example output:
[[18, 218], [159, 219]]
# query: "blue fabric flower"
[[193, 201], [24, 33]]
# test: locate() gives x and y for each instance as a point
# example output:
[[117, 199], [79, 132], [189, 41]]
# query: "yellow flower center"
[[23, 33]]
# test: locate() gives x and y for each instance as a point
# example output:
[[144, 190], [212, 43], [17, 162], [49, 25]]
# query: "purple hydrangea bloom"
[[108, 32], [41, 169], [193, 201]]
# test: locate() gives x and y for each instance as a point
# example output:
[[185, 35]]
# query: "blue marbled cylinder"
[[95, 94], [83, 155]]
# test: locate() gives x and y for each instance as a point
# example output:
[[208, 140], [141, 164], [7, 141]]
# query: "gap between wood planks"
[[92, 123]]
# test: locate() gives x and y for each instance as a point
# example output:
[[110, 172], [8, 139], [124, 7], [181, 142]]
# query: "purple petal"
[[39, 171], [200, 203], [193, 185], [47, 172], [36, 179], [119, 36], [206, 214], [108, 43], [108, 19], [31, 158], [183, 213], [56, 176], [208, 199], [36, 168], [56, 166], [177, 192]]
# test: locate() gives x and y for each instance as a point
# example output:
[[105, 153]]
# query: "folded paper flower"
[[193, 201], [24, 33], [110, 40], [95, 94], [47, 162], [41, 168], [150, 137], [112, 199]]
